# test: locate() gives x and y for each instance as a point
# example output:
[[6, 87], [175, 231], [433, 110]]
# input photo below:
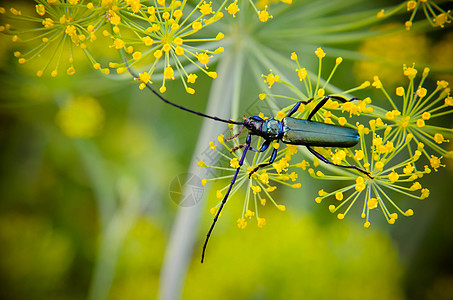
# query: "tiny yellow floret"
[[271, 78], [212, 74], [261, 222], [264, 15], [409, 212], [233, 9], [169, 73], [191, 78], [400, 91], [393, 176], [234, 163], [320, 53], [242, 223], [342, 121], [439, 138], [425, 193], [281, 207], [372, 203]]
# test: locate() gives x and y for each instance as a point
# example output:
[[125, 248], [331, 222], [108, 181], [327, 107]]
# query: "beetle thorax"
[[272, 128]]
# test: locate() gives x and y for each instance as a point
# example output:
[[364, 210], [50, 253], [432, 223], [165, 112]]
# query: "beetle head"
[[254, 124]]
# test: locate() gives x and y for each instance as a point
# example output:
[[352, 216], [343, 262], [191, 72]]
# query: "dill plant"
[[254, 44]]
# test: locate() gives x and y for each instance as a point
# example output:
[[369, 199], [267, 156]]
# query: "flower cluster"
[[313, 93], [165, 37], [56, 32], [414, 113], [379, 156], [396, 148], [260, 184], [391, 152], [260, 8], [435, 15]]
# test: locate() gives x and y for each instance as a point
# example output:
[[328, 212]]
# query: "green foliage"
[[295, 257]]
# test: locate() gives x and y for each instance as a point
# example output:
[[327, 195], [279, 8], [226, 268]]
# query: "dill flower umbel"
[[260, 184], [314, 91], [390, 175], [382, 154], [435, 15], [56, 32], [165, 37], [260, 8], [413, 111]]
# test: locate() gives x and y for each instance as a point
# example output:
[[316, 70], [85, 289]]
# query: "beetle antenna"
[[179, 106], [225, 198]]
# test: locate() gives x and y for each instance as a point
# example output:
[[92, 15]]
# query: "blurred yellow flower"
[[82, 116], [386, 53]]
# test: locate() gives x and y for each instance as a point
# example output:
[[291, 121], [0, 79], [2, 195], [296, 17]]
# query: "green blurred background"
[[91, 216]]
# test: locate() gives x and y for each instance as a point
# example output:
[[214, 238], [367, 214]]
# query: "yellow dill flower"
[[315, 91], [82, 116], [53, 36], [233, 8], [389, 173], [164, 37], [262, 182], [264, 15], [271, 78], [260, 7], [416, 112], [242, 223], [436, 16]]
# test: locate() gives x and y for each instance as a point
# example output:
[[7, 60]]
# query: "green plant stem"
[[185, 231]]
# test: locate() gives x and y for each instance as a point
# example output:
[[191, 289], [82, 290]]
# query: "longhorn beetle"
[[289, 130]]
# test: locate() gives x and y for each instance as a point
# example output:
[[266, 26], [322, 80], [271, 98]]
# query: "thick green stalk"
[[185, 229]]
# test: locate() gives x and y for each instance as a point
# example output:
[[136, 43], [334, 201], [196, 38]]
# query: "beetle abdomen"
[[310, 133]]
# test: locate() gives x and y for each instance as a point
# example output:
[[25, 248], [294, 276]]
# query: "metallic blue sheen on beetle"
[[302, 132]]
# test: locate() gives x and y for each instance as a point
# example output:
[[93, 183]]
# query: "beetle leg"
[[265, 145], [262, 149], [322, 158], [342, 99], [271, 160], [237, 148], [294, 109], [240, 146], [225, 198], [323, 101]]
